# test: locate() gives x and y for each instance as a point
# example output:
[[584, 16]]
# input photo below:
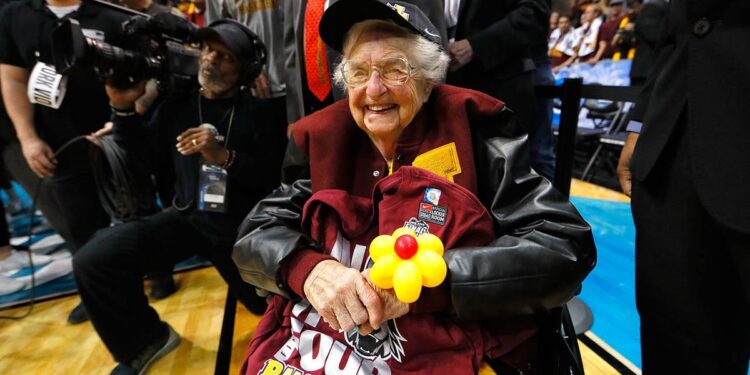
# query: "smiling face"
[[383, 110]]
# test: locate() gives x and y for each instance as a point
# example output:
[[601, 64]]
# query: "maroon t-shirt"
[[292, 336], [606, 33]]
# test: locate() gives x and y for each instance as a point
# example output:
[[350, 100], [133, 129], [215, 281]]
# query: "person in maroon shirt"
[[607, 32], [403, 145]]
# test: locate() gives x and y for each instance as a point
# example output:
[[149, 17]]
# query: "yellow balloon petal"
[[381, 245], [407, 281], [381, 272], [430, 242], [401, 231], [432, 266]]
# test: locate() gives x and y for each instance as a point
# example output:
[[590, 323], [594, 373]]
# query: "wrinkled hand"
[[392, 307], [461, 54], [203, 141], [39, 156], [94, 137], [343, 296], [623, 166], [262, 89], [123, 98]]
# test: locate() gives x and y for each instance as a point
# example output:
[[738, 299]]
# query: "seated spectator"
[[562, 43], [616, 20], [363, 167], [585, 37], [588, 33], [554, 18], [576, 11], [219, 172]]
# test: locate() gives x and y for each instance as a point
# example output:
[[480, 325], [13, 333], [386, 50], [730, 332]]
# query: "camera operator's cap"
[[616, 2], [342, 15], [230, 33]]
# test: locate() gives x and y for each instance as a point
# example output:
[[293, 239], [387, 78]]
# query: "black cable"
[[27, 247], [124, 186]]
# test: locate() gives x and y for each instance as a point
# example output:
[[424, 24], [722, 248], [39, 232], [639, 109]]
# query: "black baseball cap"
[[232, 34], [342, 15]]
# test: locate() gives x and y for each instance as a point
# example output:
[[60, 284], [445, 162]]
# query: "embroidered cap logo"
[[400, 9]]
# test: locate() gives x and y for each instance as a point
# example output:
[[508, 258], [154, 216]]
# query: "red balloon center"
[[405, 246]]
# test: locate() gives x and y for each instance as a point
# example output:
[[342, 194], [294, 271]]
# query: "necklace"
[[229, 112]]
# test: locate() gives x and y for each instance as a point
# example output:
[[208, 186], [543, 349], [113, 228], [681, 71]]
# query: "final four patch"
[[419, 227]]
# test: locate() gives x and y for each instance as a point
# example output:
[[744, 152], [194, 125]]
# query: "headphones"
[[253, 64]]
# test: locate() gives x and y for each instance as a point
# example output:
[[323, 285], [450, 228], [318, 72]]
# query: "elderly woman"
[[405, 150]]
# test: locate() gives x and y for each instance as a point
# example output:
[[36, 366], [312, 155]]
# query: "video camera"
[[167, 53]]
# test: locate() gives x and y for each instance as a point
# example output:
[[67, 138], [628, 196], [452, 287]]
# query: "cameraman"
[[68, 194], [218, 172]]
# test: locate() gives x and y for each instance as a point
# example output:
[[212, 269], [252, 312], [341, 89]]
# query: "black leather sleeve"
[[544, 248], [543, 251], [271, 231]]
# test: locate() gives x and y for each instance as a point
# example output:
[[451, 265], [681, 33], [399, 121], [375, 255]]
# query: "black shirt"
[[7, 134], [254, 136], [25, 38]]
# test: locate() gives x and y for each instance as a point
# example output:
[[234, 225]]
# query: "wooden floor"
[[43, 343]]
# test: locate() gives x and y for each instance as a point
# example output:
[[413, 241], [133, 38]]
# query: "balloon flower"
[[406, 262]]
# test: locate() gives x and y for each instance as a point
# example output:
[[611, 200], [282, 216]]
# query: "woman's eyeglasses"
[[393, 71]]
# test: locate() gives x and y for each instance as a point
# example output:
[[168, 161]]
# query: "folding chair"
[[612, 136]]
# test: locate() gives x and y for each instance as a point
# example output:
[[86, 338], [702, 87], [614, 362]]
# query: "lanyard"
[[226, 141]]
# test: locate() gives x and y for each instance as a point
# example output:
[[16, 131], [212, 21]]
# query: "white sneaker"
[[8, 285], [18, 260]]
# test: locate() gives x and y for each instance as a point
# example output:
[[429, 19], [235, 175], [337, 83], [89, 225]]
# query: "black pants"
[[69, 200], [692, 276], [109, 271]]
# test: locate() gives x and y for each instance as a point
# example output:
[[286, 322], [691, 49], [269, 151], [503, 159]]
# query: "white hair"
[[428, 59]]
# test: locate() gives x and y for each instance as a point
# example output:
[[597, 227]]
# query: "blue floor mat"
[[66, 285], [60, 286], [610, 288]]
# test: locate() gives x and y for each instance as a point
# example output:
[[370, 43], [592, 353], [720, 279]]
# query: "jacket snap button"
[[701, 27], [375, 173]]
